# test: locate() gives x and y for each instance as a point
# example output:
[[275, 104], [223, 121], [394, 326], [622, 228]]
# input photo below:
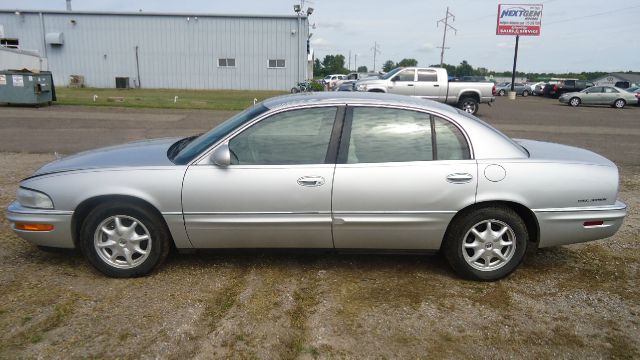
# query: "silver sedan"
[[599, 95], [341, 171]]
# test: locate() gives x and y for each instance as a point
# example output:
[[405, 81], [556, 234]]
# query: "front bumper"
[[60, 236], [564, 226]]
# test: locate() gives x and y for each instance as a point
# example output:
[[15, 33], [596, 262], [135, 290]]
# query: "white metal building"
[[632, 79], [164, 50]]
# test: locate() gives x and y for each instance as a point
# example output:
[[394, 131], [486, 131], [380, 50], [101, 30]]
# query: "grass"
[[163, 98]]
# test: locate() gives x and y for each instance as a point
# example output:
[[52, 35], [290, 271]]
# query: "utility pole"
[[445, 21], [349, 60], [376, 50], [355, 61]]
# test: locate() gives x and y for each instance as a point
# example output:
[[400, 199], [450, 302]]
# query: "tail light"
[[493, 91]]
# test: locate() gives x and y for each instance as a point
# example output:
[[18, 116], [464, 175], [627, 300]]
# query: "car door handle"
[[436, 85], [311, 181], [409, 84], [459, 178]]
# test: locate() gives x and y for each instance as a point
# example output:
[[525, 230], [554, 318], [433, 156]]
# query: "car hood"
[[135, 154], [545, 151]]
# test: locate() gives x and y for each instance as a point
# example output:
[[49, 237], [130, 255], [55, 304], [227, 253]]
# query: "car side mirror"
[[221, 156], [394, 79]]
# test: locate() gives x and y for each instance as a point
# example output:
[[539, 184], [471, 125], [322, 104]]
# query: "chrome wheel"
[[122, 241], [574, 102], [489, 245], [469, 106]]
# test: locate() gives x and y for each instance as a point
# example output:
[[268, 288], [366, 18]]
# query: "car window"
[[288, 138], [427, 75], [591, 90], [406, 75], [450, 142], [610, 90], [389, 135]]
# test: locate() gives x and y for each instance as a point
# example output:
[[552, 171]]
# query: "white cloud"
[[427, 47], [321, 44]]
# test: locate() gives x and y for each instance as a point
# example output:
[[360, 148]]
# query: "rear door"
[[403, 82], [401, 177], [609, 95], [427, 86]]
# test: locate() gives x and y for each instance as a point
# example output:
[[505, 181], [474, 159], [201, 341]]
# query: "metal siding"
[[173, 52]]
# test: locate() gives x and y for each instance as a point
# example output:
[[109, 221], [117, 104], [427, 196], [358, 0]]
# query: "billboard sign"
[[519, 19]]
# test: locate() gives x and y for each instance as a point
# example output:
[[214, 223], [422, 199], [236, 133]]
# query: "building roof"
[[630, 77], [146, 13]]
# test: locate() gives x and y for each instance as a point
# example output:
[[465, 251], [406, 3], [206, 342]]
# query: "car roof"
[[369, 98]]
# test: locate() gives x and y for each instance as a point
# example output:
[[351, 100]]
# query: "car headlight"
[[33, 199]]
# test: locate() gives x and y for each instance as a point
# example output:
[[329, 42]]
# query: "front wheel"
[[619, 104], [525, 93], [486, 244], [501, 92], [294, 90], [469, 105], [124, 240], [574, 102]]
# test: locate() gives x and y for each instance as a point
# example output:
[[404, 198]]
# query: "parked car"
[[331, 80], [533, 86], [330, 170], [433, 84], [600, 95], [520, 89], [565, 86], [636, 91], [347, 85]]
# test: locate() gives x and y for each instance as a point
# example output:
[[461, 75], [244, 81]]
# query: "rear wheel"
[[619, 104], [574, 101], [469, 105], [525, 93], [486, 244], [501, 92], [124, 240], [294, 90]]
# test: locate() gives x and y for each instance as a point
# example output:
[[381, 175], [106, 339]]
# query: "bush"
[[315, 86]]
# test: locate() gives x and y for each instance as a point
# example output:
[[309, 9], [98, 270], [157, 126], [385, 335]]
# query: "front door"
[[401, 177], [276, 192], [403, 83], [592, 95]]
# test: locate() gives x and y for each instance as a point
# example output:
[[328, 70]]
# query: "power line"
[[445, 21], [592, 15]]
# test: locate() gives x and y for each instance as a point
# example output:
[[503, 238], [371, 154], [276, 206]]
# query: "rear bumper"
[[564, 226], [59, 237]]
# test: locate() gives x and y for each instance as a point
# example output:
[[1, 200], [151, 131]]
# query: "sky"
[[577, 35]]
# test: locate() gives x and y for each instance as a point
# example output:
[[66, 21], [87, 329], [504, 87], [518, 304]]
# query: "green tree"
[[334, 64], [362, 69], [464, 69], [408, 62], [318, 70], [388, 66]]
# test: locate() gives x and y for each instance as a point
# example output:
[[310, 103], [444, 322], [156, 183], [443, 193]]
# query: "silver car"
[[599, 95], [340, 170]]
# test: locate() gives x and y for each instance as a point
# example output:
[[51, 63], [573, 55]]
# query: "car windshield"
[[390, 73], [204, 141]]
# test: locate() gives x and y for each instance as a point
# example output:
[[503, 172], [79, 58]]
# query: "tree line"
[[335, 64]]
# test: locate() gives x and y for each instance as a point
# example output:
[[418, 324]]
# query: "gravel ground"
[[577, 301]]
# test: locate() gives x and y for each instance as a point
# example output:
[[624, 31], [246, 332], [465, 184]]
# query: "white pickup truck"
[[433, 84]]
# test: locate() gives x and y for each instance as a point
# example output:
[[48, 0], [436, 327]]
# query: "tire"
[[512, 245], [525, 93], [92, 240], [469, 104], [574, 101], [294, 90], [501, 92], [619, 104]]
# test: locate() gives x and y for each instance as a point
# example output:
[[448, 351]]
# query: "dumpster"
[[26, 87]]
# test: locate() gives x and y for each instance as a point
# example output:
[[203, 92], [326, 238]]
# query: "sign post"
[[518, 19]]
